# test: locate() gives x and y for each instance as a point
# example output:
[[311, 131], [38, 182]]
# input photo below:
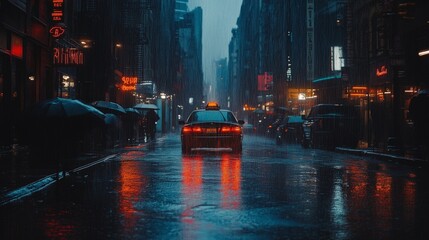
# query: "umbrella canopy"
[[109, 107], [146, 106], [64, 108], [132, 111], [60, 117]]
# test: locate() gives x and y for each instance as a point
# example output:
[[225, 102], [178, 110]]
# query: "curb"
[[381, 156], [45, 182]]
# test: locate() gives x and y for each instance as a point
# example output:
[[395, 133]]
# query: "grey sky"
[[219, 18]]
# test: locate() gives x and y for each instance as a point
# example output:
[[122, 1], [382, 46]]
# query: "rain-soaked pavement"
[[269, 191]]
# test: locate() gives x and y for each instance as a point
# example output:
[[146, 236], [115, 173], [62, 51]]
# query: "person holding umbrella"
[[151, 119]]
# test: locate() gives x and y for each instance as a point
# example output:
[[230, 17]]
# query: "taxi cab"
[[212, 127]]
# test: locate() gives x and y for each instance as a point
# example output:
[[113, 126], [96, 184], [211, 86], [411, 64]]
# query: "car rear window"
[[212, 116]]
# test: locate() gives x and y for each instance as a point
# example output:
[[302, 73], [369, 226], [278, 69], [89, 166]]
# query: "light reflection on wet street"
[[269, 191]]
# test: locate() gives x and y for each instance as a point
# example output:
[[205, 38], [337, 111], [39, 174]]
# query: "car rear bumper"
[[211, 141]]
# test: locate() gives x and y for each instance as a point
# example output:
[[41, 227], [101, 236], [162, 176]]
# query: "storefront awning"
[[334, 77]]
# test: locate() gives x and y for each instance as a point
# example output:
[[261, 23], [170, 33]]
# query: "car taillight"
[[197, 129], [194, 129], [187, 129], [236, 129], [226, 129]]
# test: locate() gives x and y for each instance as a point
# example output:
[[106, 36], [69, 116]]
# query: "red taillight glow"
[[187, 129], [226, 129], [194, 129], [197, 130], [236, 129]]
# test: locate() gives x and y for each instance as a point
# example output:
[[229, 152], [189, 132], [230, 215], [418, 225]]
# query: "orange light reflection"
[[231, 182], [192, 180], [131, 184]]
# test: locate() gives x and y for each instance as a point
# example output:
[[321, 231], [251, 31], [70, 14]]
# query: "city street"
[[152, 191]]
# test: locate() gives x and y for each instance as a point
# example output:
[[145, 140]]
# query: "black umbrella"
[[146, 106], [109, 107], [58, 108], [56, 125], [133, 112]]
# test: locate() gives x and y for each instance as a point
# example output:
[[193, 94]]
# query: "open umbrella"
[[64, 108], [132, 112], [57, 123], [109, 107], [146, 106]]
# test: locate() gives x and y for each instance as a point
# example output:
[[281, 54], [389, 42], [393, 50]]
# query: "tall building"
[[248, 54], [189, 87], [223, 83], [235, 86]]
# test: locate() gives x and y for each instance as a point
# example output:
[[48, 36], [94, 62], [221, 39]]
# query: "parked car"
[[331, 125], [212, 127], [290, 130]]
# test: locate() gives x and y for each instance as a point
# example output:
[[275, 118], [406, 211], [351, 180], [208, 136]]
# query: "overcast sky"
[[219, 18]]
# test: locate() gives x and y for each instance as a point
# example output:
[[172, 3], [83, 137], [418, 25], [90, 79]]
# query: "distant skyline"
[[219, 18]]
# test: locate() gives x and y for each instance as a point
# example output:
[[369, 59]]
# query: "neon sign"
[[57, 31], [67, 56], [57, 10], [128, 83], [381, 71]]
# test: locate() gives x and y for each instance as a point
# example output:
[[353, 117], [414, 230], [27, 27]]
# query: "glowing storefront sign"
[[57, 11], [128, 83], [67, 56], [381, 71], [57, 31]]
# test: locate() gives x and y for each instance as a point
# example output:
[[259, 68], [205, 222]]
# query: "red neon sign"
[[57, 11], [67, 56], [57, 31], [128, 83], [381, 71]]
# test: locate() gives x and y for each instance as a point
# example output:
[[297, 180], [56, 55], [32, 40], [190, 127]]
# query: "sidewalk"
[[408, 158], [21, 174]]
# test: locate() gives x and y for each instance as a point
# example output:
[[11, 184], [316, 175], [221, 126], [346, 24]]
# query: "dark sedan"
[[331, 125], [290, 130], [212, 127]]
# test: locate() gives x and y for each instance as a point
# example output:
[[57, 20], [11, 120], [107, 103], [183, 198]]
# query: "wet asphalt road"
[[152, 191]]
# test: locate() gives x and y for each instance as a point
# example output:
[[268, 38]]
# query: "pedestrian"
[[151, 119], [419, 113]]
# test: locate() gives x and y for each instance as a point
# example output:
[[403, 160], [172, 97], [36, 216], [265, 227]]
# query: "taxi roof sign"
[[212, 106]]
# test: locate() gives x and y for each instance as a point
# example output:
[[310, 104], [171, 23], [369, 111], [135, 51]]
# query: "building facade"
[[362, 52], [189, 87], [25, 63]]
